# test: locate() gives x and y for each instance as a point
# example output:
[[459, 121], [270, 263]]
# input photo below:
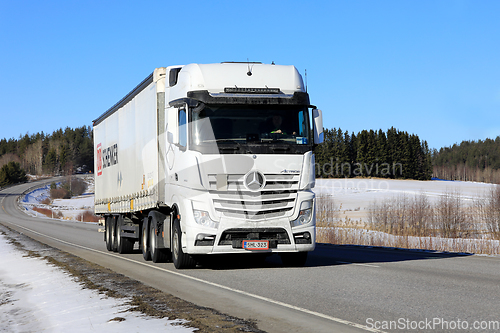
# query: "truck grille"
[[275, 199]]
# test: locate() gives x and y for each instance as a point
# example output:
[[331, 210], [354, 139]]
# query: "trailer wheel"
[[157, 255], [144, 240], [108, 236], [297, 259], [114, 245], [124, 244], [181, 260]]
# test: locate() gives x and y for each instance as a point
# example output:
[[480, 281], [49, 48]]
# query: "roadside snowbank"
[[36, 196], [35, 297]]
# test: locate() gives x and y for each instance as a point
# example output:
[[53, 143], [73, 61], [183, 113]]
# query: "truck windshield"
[[233, 127]]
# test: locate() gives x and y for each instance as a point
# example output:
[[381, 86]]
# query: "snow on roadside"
[[68, 209], [36, 196], [35, 296], [73, 207]]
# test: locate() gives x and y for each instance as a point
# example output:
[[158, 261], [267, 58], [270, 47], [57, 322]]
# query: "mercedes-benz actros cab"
[[208, 159]]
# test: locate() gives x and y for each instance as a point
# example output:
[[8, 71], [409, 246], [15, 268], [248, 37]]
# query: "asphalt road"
[[341, 289]]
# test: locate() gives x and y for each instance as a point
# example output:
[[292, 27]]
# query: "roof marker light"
[[237, 90]]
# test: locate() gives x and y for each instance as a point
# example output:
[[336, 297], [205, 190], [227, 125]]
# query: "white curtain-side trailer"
[[208, 159]]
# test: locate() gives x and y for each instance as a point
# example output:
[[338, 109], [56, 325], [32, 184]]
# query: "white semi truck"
[[207, 159]]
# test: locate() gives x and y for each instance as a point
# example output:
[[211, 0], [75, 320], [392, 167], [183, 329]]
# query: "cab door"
[[176, 142]]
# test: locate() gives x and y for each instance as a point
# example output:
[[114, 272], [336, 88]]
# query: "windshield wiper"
[[284, 145], [228, 141], [229, 148], [280, 148]]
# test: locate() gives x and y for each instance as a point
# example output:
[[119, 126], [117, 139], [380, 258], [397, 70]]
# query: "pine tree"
[[11, 173], [50, 161]]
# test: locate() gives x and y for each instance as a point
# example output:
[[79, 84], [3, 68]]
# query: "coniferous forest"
[[469, 161], [392, 154], [60, 153]]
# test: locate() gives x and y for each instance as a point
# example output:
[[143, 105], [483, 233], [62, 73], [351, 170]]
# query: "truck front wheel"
[[181, 260]]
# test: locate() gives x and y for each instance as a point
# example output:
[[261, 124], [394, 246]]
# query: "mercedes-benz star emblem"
[[254, 180]]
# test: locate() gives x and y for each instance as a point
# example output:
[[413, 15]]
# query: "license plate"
[[256, 245]]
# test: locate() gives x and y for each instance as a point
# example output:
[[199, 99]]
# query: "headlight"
[[202, 218], [305, 214]]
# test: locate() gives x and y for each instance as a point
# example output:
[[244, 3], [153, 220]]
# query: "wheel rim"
[[143, 240], [118, 237], [176, 245], [108, 234], [107, 230], [153, 241], [113, 235]]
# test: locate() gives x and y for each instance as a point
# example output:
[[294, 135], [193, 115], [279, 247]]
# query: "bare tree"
[[420, 216], [9, 157], [491, 212], [452, 218]]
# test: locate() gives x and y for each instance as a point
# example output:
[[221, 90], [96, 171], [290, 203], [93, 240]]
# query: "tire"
[[144, 244], [297, 259], [124, 244], [105, 226], [114, 245], [107, 233], [181, 260], [157, 255]]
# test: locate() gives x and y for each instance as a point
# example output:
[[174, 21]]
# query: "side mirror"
[[318, 126]]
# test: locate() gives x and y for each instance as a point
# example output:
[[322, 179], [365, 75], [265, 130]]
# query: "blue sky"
[[426, 67]]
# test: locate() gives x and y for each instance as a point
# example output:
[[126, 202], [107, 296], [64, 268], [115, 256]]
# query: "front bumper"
[[229, 236]]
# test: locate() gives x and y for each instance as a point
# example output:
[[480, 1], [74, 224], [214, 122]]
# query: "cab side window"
[[182, 128]]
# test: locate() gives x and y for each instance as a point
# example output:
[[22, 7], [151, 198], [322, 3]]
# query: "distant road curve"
[[342, 289]]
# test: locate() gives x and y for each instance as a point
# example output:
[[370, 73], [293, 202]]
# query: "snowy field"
[[354, 196], [34, 303]]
